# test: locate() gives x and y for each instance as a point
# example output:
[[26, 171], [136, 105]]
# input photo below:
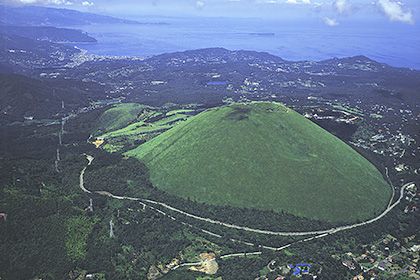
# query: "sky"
[[331, 12]]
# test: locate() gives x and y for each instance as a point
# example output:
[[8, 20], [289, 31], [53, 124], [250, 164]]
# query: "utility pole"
[[63, 122], [59, 138], [90, 205], [57, 160], [111, 229], [56, 166]]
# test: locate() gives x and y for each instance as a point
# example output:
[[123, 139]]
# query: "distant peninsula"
[[48, 33]]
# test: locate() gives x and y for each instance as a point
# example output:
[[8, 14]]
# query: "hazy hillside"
[[20, 54], [210, 75], [215, 55], [35, 15], [48, 33], [21, 96]]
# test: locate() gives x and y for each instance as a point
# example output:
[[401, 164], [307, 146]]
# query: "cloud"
[[87, 4], [298, 1], [330, 21], [84, 3], [341, 6], [200, 4], [266, 2], [43, 2], [394, 11]]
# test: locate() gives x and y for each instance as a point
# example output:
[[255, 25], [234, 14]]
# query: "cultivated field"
[[128, 125]]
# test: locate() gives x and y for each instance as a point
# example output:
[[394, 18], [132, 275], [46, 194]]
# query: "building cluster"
[[389, 258], [276, 270], [412, 197], [323, 113]]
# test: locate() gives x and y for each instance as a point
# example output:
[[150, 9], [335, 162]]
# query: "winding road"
[[318, 233], [314, 234]]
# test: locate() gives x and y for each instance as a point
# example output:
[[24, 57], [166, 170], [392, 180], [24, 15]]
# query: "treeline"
[[130, 177]]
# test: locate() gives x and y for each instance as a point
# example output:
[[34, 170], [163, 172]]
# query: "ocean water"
[[394, 44]]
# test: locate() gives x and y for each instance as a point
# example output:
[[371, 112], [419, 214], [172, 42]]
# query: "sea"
[[391, 43]]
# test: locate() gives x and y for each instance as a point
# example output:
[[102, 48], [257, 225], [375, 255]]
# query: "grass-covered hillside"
[[118, 116], [265, 156], [127, 125]]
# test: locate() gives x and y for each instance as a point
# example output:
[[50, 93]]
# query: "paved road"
[[392, 187], [318, 233], [82, 174], [235, 255]]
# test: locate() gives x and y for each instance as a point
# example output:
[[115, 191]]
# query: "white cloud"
[[200, 4], [395, 12], [298, 1], [341, 6], [330, 21], [266, 2], [44, 2], [87, 4]]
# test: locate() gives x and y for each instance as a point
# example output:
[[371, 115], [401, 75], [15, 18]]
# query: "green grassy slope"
[[265, 156], [118, 116], [146, 126]]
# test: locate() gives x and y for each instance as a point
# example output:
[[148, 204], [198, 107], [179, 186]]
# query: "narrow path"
[[227, 256], [240, 255], [82, 174], [190, 264]]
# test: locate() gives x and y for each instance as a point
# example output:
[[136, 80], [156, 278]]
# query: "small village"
[[389, 257]]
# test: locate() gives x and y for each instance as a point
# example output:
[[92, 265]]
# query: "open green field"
[[127, 124], [265, 156], [119, 116]]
